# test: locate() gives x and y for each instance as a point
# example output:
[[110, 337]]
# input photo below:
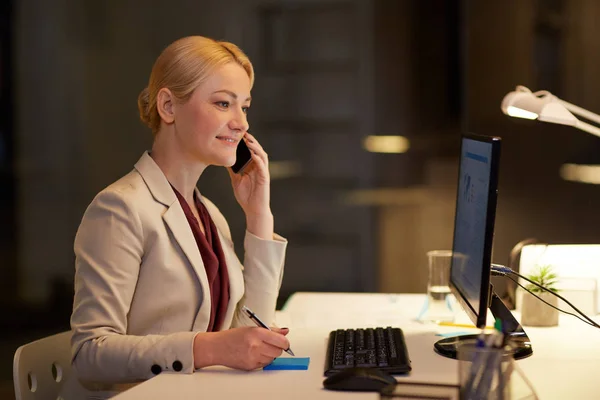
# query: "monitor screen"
[[470, 270], [474, 224]]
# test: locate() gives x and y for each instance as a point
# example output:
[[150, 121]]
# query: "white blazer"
[[141, 291]]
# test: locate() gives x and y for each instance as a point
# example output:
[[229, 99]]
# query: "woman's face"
[[211, 123]]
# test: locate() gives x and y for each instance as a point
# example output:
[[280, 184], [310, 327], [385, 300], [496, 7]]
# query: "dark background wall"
[[328, 74]]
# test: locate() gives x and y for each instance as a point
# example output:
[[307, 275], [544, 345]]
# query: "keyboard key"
[[370, 340]]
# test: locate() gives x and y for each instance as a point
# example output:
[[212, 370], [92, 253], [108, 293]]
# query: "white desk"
[[564, 364]]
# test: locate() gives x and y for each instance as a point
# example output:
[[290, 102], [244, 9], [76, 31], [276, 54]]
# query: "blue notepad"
[[288, 363], [451, 334]]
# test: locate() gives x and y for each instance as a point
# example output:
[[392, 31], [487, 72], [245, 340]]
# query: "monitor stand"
[[521, 345]]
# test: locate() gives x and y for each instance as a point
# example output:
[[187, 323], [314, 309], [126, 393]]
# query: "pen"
[[475, 366], [445, 323], [258, 322]]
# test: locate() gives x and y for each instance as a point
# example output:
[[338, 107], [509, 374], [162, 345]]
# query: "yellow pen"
[[444, 323]]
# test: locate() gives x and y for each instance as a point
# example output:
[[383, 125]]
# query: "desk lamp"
[[544, 106]]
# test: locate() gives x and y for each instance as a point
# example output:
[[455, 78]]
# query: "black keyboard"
[[381, 348]]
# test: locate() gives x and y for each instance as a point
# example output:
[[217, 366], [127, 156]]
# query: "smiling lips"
[[231, 141]]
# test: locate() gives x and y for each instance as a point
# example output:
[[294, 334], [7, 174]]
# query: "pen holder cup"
[[491, 374]]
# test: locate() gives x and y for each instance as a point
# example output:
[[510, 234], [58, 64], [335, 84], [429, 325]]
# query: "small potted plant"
[[533, 311]]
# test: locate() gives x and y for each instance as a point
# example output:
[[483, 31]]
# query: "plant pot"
[[536, 313]]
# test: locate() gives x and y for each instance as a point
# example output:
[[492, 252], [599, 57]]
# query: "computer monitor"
[[472, 245]]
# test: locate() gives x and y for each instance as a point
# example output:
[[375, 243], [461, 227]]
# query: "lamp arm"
[[580, 111], [584, 126]]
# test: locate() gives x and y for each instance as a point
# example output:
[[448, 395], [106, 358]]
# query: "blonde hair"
[[182, 67]]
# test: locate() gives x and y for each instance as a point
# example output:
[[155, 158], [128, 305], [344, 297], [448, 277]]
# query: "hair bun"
[[143, 106]]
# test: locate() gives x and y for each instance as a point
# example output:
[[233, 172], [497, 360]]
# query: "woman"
[[158, 286]]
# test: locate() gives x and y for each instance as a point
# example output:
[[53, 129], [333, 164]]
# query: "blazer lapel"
[[235, 278], [179, 226], [234, 270], [177, 223]]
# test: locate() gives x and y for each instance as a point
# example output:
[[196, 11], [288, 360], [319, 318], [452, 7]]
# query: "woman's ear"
[[164, 105]]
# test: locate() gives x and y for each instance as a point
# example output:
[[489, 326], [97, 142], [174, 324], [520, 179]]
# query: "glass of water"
[[438, 306]]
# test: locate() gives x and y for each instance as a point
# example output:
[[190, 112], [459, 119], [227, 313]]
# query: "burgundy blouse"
[[213, 258]]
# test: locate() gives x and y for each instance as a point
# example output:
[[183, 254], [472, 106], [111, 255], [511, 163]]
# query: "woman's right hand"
[[245, 348]]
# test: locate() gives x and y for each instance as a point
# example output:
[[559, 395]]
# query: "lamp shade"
[[522, 103]]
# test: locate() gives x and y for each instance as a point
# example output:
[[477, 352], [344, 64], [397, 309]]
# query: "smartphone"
[[242, 157]]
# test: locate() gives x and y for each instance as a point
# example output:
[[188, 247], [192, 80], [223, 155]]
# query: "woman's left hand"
[[252, 186]]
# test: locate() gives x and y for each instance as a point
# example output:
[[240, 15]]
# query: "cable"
[[560, 297], [544, 301], [502, 273], [502, 270]]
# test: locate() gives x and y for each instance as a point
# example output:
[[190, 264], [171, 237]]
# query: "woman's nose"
[[239, 122]]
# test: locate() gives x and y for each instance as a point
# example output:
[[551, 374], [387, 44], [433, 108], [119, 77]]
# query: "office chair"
[[40, 368]]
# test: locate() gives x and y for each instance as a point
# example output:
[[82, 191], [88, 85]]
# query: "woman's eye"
[[245, 109], [223, 104]]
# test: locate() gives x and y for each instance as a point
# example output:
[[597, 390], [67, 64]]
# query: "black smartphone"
[[242, 157]]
